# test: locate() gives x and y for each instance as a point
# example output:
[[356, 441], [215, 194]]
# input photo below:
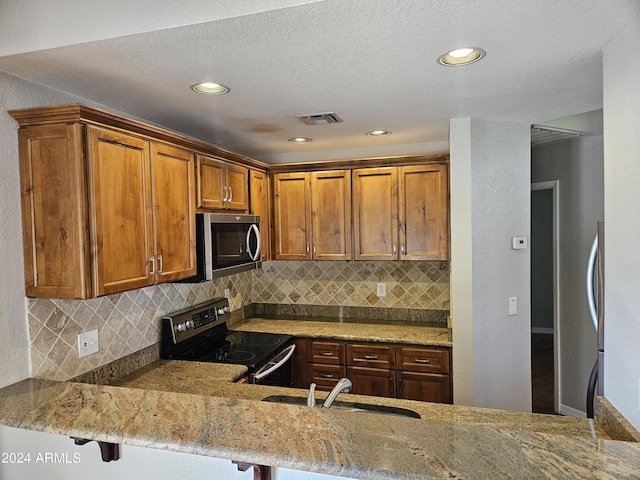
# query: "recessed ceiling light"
[[300, 140], [210, 88], [461, 56], [378, 133]]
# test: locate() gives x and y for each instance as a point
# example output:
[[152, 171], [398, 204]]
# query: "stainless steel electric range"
[[200, 334]]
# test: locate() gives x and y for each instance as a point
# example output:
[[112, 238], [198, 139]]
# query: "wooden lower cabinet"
[[377, 369], [427, 387], [372, 381]]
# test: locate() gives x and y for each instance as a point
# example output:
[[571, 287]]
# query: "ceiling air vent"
[[544, 135], [319, 118]]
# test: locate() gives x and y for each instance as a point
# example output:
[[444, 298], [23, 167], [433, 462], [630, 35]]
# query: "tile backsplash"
[[130, 321], [126, 322], [422, 285]]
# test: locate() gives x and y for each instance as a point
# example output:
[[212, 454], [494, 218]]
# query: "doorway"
[[544, 298]]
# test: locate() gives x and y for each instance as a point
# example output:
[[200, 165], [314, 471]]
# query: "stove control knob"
[[221, 311], [188, 324], [181, 327]]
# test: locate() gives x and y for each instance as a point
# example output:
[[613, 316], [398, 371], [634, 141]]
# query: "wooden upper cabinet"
[[222, 185], [54, 214], [173, 187], [331, 215], [120, 203], [375, 213], [424, 212], [312, 215], [259, 205], [292, 216], [143, 219]]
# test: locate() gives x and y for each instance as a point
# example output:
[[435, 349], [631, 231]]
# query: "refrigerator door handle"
[[590, 293]]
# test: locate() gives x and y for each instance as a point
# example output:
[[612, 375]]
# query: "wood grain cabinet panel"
[[312, 215], [423, 212], [54, 213], [222, 185], [259, 205], [422, 359], [426, 387], [325, 376], [372, 381], [375, 213], [371, 355], [329, 353]]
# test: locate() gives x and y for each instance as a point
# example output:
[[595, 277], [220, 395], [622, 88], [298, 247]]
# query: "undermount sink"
[[349, 406]]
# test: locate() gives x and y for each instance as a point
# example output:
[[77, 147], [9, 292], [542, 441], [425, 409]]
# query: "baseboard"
[[571, 412], [543, 330]]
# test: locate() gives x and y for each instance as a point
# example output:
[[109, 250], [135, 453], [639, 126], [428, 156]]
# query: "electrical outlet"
[[87, 343], [381, 289], [227, 293], [513, 305]]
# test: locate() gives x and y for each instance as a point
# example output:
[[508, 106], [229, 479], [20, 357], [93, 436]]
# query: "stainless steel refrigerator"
[[595, 296]]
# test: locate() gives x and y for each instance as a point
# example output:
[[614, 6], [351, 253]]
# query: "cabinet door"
[[426, 387], [212, 193], [237, 183], [375, 214], [331, 215], [292, 211], [172, 171], [259, 205], [54, 219], [424, 212], [120, 200], [372, 381]]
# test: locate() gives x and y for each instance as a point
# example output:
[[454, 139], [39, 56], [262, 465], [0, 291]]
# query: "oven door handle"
[[276, 363]]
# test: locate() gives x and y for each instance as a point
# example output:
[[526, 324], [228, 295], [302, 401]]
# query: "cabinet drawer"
[[329, 353], [371, 355], [419, 359], [325, 376]]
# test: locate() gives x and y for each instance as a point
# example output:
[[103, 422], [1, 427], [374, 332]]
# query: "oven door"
[[278, 371]]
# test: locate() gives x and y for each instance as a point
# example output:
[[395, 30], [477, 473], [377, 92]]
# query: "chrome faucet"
[[311, 398], [343, 385]]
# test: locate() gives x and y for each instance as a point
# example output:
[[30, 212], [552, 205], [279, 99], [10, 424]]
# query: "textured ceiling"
[[371, 62]]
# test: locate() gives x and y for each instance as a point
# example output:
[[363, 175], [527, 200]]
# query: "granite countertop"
[[226, 420], [335, 329]]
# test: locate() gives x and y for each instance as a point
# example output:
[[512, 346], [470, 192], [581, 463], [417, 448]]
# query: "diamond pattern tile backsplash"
[[130, 321]]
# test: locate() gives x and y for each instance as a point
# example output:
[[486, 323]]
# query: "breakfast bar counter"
[[227, 420]]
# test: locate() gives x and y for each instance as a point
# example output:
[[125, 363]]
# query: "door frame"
[[554, 186]]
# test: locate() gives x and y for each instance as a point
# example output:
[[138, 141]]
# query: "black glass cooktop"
[[252, 349]]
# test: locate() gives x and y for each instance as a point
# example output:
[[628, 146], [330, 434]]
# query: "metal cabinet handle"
[[403, 250], [315, 249], [308, 249], [395, 248], [422, 360], [160, 259], [152, 261], [326, 354], [327, 375], [230, 194], [371, 357], [225, 199]]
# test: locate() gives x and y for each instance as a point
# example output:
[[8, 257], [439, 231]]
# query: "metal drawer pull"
[[327, 375], [422, 360], [371, 357], [327, 354]]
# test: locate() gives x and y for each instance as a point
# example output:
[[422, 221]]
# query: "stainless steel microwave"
[[226, 244]]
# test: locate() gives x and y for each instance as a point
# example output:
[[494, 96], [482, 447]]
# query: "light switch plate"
[[87, 343], [513, 305]]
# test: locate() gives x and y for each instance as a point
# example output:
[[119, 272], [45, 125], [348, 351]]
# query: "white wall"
[[490, 203], [579, 166], [621, 105]]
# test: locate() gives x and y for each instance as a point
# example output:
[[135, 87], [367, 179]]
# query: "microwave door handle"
[[254, 256], [269, 368]]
